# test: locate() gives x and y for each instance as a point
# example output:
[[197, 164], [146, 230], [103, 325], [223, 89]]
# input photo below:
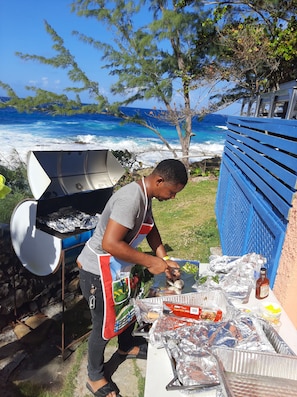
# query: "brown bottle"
[[262, 285]]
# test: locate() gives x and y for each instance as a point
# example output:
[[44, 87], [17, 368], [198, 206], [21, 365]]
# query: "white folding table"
[[159, 371]]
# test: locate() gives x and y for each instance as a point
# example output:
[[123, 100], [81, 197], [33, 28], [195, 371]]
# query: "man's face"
[[166, 190]]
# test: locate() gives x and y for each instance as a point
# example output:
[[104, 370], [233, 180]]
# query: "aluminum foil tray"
[[205, 299], [276, 341], [243, 371], [262, 374]]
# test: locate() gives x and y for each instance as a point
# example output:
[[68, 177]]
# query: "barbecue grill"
[[70, 189]]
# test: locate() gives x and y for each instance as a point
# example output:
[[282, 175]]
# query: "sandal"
[[142, 354], [103, 391]]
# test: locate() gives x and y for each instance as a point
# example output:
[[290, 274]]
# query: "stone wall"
[[21, 292]]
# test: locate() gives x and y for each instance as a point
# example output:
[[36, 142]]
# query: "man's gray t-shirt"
[[127, 207]]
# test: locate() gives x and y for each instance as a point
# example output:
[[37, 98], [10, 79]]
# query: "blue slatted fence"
[[258, 180]]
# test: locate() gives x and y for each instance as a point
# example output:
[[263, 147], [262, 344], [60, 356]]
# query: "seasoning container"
[[271, 312], [262, 285], [261, 262]]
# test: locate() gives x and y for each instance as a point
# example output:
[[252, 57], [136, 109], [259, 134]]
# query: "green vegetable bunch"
[[190, 268], [203, 279]]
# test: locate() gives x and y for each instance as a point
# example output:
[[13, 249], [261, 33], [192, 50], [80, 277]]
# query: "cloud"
[[57, 83], [44, 81]]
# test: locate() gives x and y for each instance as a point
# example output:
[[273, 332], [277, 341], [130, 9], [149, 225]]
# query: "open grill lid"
[[54, 174], [83, 180]]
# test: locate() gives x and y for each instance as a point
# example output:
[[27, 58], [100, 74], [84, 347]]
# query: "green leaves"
[[4, 190], [203, 279], [258, 44]]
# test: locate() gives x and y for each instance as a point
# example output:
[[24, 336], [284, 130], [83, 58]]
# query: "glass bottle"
[[262, 285]]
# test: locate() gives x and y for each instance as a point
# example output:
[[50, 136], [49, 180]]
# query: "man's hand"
[[173, 270], [157, 265]]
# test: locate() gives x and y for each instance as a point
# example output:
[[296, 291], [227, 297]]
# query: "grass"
[[187, 224], [8, 204], [141, 379]]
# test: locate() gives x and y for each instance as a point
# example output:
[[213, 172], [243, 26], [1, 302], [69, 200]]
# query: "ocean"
[[22, 132]]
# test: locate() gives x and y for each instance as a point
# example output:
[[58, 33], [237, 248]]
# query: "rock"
[[23, 293], [73, 285], [21, 330], [36, 320], [38, 335]]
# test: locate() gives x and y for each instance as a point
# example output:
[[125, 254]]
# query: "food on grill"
[[67, 220]]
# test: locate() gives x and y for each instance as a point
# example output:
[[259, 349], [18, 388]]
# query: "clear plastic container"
[[271, 312]]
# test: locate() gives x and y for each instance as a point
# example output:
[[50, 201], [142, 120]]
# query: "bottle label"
[[264, 290]]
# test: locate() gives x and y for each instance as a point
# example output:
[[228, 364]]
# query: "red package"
[[194, 312]]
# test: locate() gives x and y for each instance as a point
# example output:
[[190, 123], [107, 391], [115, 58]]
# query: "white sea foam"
[[222, 127], [147, 151], [84, 139], [25, 134]]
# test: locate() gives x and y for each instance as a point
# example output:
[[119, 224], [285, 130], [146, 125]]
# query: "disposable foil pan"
[[232, 364], [208, 298], [275, 339], [262, 374], [211, 299]]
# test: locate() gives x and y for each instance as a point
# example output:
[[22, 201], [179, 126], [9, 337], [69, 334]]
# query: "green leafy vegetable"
[[189, 268], [203, 279]]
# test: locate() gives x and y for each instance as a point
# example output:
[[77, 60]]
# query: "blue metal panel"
[[80, 238], [256, 187]]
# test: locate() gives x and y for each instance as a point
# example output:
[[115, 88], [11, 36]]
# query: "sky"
[[22, 29]]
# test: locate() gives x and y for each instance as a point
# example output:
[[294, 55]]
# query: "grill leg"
[[64, 348], [63, 307]]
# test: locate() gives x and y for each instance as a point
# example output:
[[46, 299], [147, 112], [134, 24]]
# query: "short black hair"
[[173, 171]]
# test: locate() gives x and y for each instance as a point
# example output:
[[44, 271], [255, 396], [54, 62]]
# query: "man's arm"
[[113, 242], [155, 242]]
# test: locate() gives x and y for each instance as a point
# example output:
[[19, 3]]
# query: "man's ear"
[[159, 180]]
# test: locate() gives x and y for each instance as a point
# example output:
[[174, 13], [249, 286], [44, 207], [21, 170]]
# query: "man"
[[109, 255]]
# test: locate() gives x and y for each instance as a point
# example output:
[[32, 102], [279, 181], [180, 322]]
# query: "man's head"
[[172, 171], [170, 177]]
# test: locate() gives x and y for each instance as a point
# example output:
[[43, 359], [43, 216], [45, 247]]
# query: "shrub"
[[16, 179]]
